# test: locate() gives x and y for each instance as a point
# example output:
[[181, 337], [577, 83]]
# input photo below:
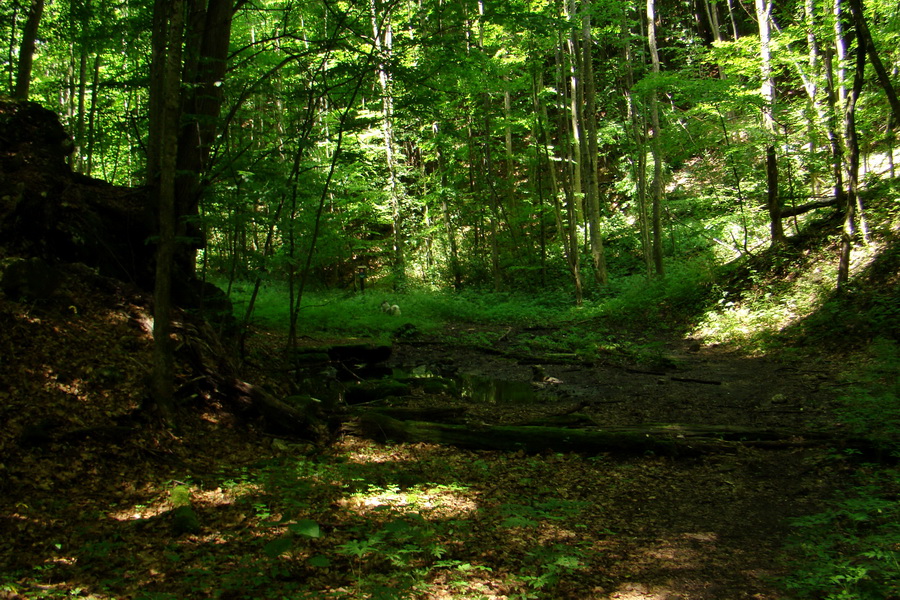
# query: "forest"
[[449, 299]]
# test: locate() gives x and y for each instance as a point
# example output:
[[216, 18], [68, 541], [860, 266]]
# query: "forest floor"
[[89, 498], [712, 527]]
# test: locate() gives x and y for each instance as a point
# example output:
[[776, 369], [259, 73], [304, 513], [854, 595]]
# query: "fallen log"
[[665, 439], [792, 211], [402, 413]]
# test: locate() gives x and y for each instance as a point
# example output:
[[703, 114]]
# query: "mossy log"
[[673, 439]]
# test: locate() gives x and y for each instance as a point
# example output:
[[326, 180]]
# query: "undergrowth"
[[851, 550], [630, 311]]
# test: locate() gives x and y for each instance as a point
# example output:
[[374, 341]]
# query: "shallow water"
[[488, 390]]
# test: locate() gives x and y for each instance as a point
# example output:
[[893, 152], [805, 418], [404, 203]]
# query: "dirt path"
[[664, 529]]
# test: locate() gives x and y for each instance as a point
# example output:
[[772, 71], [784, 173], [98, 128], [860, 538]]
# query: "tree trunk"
[[206, 45], [848, 231], [170, 18], [638, 133], [773, 200], [566, 188], [383, 36], [576, 103], [26, 50], [592, 197], [864, 39], [656, 146], [834, 140], [673, 439], [92, 114], [446, 218]]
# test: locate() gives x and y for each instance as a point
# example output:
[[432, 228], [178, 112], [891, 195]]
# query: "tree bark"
[[864, 37], [592, 196], [170, 18], [568, 225], [655, 146], [638, 124], [383, 37], [206, 45], [26, 50], [767, 90], [848, 231]]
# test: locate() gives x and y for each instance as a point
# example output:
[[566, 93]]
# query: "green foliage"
[[851, 550], [872, 409], [673, 299]]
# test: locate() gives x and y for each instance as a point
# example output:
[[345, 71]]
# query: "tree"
[[773, 200], [848, 230], [166, 82], [655, 145], [383, 36], [26, 49], [207, 37], [592, 196]]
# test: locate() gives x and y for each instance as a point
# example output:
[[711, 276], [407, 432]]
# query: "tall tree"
[[383, 36], [655, 144], [773, 199], [592, 188], [207, 36], [166, 82], [848, 230], [26, 50]]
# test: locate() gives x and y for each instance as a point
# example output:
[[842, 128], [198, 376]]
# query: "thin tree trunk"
[[864, 38], [773, 201], [80, 116], [590, 125], [91, 132], [848, 231], [812, 89], [834, 139], [383, 37], [455, 269], [638, 133], [207, 41], [569, 226], [655, 145], [734, 28], [26, 50], [841, 51], [576, 102]]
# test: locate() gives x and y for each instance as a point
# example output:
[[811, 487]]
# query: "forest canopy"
[[438, 143]]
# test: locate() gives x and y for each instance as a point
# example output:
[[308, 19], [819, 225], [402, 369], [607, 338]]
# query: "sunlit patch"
[[140, 512], [442, 502], [640, 591]]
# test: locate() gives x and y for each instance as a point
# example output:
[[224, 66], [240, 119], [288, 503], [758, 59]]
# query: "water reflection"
[[496, 391]]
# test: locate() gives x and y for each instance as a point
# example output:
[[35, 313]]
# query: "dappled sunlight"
[[640, 591], [746, 319]]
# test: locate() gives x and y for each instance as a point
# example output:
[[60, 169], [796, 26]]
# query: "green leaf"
[[306, 527], [277, 547], [319, 561]]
